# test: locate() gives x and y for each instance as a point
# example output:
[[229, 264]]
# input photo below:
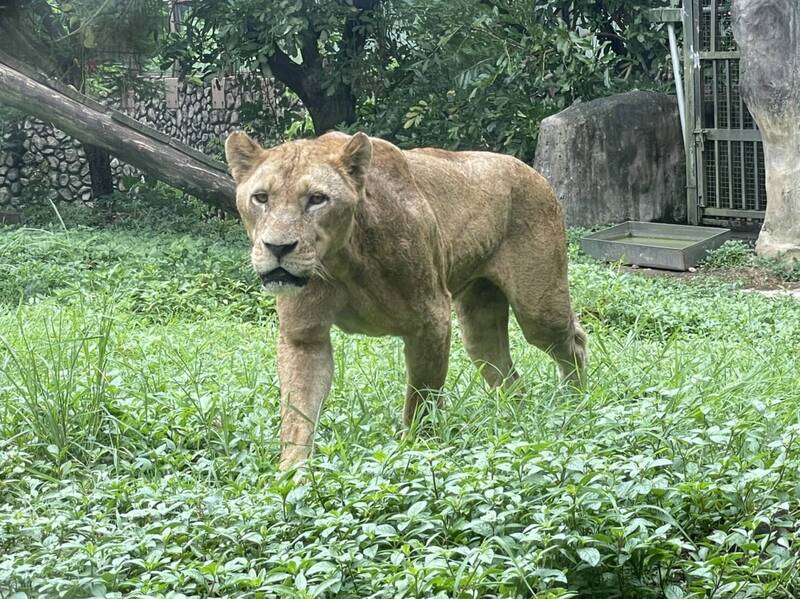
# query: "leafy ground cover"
[[138, 450]]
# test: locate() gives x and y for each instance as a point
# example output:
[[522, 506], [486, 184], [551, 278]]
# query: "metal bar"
[[716, 99], [719, 55], [734, 134], [744, 178], [691, 39], [730, 173], [734, 213], [664, 15], [728, 92], [716, 172], [676, 70], [742, 108], [713, 41], [755, 174]]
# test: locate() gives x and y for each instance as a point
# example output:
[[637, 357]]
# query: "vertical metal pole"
[[744, 170], [730, 126], [755, 175], [676, 71], [712, 44], [717, 198], [715, 125], [690, 40]]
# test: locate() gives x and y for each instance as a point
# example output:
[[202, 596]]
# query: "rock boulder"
[[615, 159]]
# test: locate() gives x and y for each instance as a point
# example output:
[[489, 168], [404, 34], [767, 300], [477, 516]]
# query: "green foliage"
[[138, 454], [462, 74], [738, 254], [94, 44], [192, 264], [732, 253], [484, 74], [785, 270]]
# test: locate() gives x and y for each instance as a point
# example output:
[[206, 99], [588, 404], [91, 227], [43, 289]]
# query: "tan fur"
[[404, 236]]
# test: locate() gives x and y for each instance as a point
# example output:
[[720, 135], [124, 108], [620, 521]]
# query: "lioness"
[[353, 231]]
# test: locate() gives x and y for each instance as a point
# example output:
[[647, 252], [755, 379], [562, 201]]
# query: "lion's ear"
[[357, 155], [243, 155]]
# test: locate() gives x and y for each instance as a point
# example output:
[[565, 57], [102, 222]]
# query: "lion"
[[354, 232]]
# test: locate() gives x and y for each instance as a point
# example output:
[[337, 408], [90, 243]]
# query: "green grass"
[[138, 441], [735, 253]]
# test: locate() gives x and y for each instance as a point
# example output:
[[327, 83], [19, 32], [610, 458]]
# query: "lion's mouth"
[[281, 276]]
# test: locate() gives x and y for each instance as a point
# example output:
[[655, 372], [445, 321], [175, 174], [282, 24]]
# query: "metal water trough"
[[654, 245]]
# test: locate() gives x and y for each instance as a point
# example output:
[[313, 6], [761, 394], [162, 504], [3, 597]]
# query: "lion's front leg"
[[305, 370], [427, 354]]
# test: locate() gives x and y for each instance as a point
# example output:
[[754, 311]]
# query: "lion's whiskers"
[[322, 273]]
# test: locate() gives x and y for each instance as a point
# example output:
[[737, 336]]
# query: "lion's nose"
[[279, 250]]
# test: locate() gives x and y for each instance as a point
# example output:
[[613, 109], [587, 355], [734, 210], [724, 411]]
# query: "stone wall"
[[39, 162]]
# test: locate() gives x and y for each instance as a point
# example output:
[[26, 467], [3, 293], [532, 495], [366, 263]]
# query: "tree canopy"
[[477, 73]]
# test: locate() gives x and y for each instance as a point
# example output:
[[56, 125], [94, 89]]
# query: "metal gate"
[[725, 155]]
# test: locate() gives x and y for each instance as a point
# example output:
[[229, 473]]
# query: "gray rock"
[[3, 171], [52, 162], [74, 168], [62, 166], [15, 188], [70, 155], [5, 195], [234, 117], [12, 175], [767, 33], [615, 159], [85, 195], [66, 194], [63, 180], [48, 151], [52, 141], [75, 183], [38, 142]]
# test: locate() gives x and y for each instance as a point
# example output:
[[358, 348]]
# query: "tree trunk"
[[768, 37], [328, 112], [113, 132], [99, 171]]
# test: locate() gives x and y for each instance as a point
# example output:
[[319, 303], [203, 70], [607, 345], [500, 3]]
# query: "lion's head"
[[297, 201]]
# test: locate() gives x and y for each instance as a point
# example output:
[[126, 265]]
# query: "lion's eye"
[[260, 198], [317, 199]]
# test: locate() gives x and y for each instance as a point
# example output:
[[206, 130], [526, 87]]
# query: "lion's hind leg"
[[534, 279], [482, 311], [564, 340]]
